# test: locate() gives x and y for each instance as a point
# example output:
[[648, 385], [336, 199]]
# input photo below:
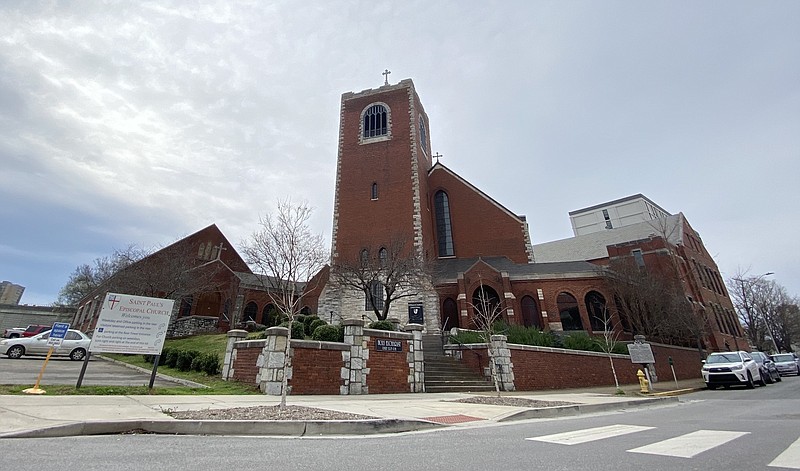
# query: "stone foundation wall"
[[193, 325]]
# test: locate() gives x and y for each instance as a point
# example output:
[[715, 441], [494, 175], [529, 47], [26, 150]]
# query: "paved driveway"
[[60, 370]]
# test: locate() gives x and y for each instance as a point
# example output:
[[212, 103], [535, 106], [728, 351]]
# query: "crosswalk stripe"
[[790, 458], [588, 435], [689, 445]]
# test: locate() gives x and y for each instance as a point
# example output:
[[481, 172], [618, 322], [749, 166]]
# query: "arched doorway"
[[568, 311], [486, 306], [250, 312], [599, 316], [449, 314], [530, 312]]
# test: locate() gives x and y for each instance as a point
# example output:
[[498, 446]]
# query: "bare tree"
[[87, 278], [487, 311], [611, 333], [288, 255], [765, 309], [384, 274]]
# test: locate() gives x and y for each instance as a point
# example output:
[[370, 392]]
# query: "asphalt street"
[[62, 370], [709, 430]]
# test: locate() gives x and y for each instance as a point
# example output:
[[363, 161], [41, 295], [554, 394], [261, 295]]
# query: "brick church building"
[[389, 188]]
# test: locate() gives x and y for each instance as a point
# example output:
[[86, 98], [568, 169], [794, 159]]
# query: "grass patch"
[[227, 387], [203, 343]]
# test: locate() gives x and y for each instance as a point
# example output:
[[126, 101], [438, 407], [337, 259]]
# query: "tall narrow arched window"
[[375, 121], [383, 256], [374, 194], [364, 257], [423, 135], [444, 230]]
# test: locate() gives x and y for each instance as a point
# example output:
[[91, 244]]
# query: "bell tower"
[[382, 190]]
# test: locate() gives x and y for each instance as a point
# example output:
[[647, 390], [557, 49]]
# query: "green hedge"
[[188, 360], [328, 333], [520, 335], [381, 325]]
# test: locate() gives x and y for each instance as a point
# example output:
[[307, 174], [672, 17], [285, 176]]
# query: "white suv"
[[731, 368]]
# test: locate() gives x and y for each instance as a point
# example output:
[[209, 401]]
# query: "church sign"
[[415, 314], [388, 345]]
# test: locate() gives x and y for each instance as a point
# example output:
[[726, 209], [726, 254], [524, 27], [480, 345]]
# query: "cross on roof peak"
[[385, 74]]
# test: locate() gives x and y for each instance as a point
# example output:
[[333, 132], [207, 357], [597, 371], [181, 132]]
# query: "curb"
[[290, 428], [184, 382], [678, 392], [285, 428], [565, 411]]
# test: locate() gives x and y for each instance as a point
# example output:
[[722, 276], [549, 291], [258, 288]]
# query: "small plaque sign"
[[388, 345], [641, 353], [415, 314]]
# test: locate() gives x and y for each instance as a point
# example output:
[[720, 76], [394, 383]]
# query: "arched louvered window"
[[375, 121], [423, 135], [444, 230]]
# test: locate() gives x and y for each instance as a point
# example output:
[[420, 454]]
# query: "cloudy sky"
[[142, 122]]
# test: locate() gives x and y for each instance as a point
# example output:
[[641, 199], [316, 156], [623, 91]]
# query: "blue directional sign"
[[59, 330], [57, 334]]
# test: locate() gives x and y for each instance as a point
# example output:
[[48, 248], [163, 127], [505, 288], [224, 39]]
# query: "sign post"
[[131, 324], [54, 340], [641, 352]]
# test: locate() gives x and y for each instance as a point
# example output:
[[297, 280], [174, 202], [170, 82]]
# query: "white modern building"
[[614, 214]]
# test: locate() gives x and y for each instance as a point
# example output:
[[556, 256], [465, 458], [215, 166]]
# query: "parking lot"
[[62, 370]]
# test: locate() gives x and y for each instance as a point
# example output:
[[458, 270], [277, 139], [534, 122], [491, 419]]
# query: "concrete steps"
[[446, 374]]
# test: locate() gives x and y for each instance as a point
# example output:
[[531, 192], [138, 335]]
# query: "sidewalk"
[[55, 416]]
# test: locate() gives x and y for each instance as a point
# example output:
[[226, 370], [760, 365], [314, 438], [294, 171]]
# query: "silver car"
[[787, 363], [75, 345]]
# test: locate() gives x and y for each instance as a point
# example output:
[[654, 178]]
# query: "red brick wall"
[[388, 371], [559, 369], [244, 367], [686, 361], [316, 371]]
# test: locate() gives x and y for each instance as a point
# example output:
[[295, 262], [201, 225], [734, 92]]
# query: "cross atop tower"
[[385, 74]]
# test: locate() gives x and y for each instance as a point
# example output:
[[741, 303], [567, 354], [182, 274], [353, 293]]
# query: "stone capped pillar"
[[227, 364], [271, 360], [501, 356], [353, 374], [416, 358]]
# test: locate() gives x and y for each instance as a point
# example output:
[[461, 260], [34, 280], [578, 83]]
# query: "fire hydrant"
[[643, 383]]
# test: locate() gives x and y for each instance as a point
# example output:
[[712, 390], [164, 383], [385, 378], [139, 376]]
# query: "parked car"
[[35, 329], [731, 368], [75, 345], [768, 369], [787, 363], [13, 332]]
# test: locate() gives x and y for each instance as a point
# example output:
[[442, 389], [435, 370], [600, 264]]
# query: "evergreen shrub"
[[381, 325], [328, 333]]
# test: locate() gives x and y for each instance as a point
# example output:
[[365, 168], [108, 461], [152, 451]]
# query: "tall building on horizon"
[[10, 293]]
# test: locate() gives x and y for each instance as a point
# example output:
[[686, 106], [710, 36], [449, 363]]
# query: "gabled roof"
[[593, 246], [443, 168], [448, 269], [261, 282]]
